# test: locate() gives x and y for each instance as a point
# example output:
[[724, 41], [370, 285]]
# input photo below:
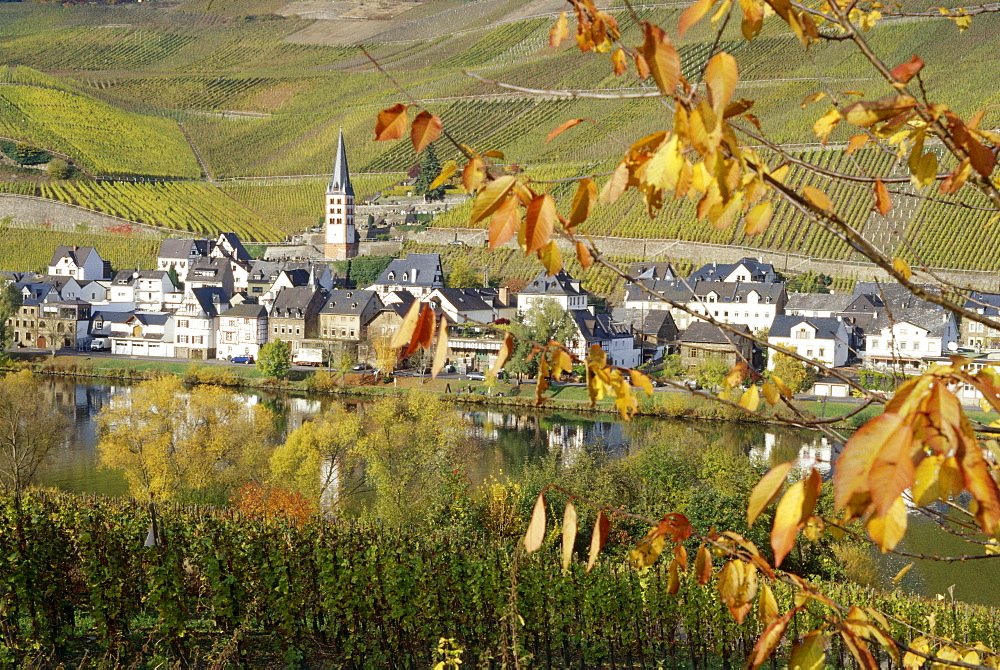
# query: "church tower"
[[341, 237]]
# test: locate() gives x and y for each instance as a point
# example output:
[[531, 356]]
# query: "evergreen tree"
[[430, 168]]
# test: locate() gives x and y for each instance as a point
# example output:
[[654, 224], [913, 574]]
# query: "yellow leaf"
[[506, 348], [767, 605], [661, 57], [673, 581], [559, 31], [855, 143], [925, 480], [473, 175], [766, 490], [825, 124], [583, 202], [887, 530], [505, 222], [814, 97], [426, 128], [758, 219], [550, 257], [489, 199], [648, 549], [568, 534], [616, 185], [902, 267], [771, 393], [441, 353], [493, 153], [750, 400], [391, 123], [883, 203], [703, 565], [693, 15], [405, 332], [601, 529], [446, 171], [536, 527], [619, 62], [787, 521], [902, 573], [721, 75], [642, 381], [810, 653], [818, 198]]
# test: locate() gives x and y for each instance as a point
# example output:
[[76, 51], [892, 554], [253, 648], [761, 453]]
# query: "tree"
[[430, 168], [58, 169], [30, 426], [543, 321], [462, 276], [711, 373], [275, 359], [10, 303], [173, 444], [703, 144], [343, 359], [798, 376], [386, 356]]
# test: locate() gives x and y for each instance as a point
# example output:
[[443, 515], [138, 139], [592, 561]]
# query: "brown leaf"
[[600, 536], [505, 222], [426, 128], [673, 581], [583, 255], [721, 75], [535, 534], [505, 351], [641, 66], [391, 123], [558, 130], [979, 482], [538, 222], [858, 649], [766, 490], [568, 534], [583, 202], [423, 332], [405, 332], [703, 565], [681, 556], [737, 108], [489, 199], [770, 638], [908, 70], [661, 57], [882, 200], [559, 31], [441, 353], [693, 15]]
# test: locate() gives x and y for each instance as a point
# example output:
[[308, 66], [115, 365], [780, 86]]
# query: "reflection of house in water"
[[780, 448], [300, 410], [572, 439]]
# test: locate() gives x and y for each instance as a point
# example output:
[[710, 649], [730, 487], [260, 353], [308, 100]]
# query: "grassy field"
[[228, 89]]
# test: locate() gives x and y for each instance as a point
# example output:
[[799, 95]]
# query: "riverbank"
[[666, 403]]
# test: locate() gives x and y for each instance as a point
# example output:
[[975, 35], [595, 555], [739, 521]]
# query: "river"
[[507, 439]]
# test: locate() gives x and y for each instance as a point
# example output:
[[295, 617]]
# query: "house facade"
[[196, 322], [417, 273], [702, 341], [81, 263], [823, 339], [347, 313], [294, 315], [143, 334], [560, 287], [902, 341], [242, 331]]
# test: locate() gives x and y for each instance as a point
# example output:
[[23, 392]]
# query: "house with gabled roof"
[[196, 322], [652, 271], [473, 305], [215, 272], [143, 334], [702, 341], [655, 330], [902, 339], [417, 273], [181, 254], [560, 287], [825, 340], [597, 329], [228, 245], [242, 330], [744, 270], [294, 315], [81, 263], [753, 304], [347, 313]]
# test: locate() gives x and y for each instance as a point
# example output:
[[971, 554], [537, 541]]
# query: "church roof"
[[340, 182]]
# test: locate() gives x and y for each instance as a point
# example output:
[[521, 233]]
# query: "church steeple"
[[340, 182]]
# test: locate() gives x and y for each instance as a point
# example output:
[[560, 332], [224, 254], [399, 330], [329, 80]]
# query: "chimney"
[[503, 295]]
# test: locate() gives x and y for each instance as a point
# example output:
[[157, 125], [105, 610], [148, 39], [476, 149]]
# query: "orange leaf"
[[405, 332], [662, 58], [770, 638], [766, 490], [882, 200], [538, 222], [558, 130], [619, 62], [583, 202], [859, 649], [423, 333], [693, 15], [505, 351], [817, 198], [601, 529], [892, 470], [489, 199], [505, 222], [855, 143], [391, 123], [559, 31], [473, 175], [673, 581], [908, 70], [583, 255], [979, 482], [851, 476], [426, 128], [758, 218], [721, 75], [641, 66], [616, 185], [441, 353], [703, 565], [535, 534]]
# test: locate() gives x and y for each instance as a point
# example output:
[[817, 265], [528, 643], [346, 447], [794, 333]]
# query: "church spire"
[[340, 182]]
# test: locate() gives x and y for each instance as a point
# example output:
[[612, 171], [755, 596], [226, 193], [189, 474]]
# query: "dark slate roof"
[[933, 320], [349, 301], [294, 303], [597, 327], [153, 318], [298, 276], [265, 271], [657, 271], [987, 304], [866, 304], [247, 310], [212, 299], [561, 283], [684, 291], [896, 295], [646, 321], [832, 302], [181, 249], [208, 268], [78, 254], [702, 332], [719, 271], [340, 180], [826, 327], [240, 253], [428, 267], [471, 299]]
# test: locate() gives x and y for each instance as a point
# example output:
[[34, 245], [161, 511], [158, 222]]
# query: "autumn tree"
[[10, 303], [175, 444], [30, 427], [275, 359], [798, 376], [463, 276], [705, 145], [545, 320]]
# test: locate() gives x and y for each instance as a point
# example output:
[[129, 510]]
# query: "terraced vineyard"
[[30, 250], [135, 89]]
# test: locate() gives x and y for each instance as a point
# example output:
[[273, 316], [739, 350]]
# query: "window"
[[182, 323], [809, 353], [297, 331], [802, 334], [352, 332], [904, 331], [930, 346], [275, 330], [197, 339], [902, 346], [182, 339], [822, 353], [874, 344]]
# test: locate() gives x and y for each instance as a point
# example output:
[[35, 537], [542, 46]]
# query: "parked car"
[[361, 367], [477, 376], [247, 360]]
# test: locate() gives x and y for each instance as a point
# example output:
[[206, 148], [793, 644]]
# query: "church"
[[341, 235]]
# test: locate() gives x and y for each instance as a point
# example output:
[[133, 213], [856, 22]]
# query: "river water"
[[508, 439]]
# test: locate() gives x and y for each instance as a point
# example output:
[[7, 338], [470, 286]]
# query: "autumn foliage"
[[260, 501]]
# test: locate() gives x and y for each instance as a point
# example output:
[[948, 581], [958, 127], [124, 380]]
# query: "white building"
[[752, 304], [143, 334], [81, 263], [242, 331], [822, 339], [560, 287], [195, 322], [902, 340]]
